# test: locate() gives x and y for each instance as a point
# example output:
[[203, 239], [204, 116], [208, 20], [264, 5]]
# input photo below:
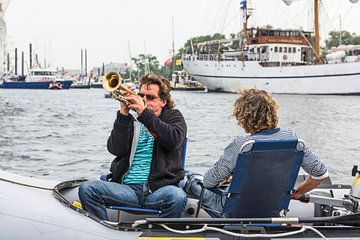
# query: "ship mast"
[[243, 39], [317, 35], [243, 7]]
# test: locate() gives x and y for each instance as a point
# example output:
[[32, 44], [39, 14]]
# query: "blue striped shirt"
[[140, 167], [224, 167]]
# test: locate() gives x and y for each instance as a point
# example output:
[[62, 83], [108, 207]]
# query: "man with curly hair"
[[257, 112]]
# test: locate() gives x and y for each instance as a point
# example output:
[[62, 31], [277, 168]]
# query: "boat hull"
[[29, 210], [66, 84], [231, 76]]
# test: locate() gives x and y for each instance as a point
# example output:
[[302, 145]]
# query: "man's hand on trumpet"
[[136, 102], [125, 108]]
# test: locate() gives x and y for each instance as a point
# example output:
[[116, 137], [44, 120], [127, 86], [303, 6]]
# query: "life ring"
[[285, 57]]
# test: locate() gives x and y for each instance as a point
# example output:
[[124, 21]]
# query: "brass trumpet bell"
[[111, 81]]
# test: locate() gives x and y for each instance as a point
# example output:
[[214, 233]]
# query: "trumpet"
[[112, 83]]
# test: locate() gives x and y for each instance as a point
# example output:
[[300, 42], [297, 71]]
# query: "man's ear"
[[163, 103]]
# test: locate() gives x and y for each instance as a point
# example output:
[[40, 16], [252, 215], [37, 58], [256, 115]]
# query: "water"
[[62, 134]]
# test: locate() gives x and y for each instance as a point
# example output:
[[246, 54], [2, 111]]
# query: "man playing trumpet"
[[147, 167]]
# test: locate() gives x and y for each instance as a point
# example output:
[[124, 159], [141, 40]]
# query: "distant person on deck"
[[147, 167], [257, 112]]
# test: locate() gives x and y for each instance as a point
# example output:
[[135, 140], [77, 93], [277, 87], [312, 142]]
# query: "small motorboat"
[[32, 208], [55, 86]]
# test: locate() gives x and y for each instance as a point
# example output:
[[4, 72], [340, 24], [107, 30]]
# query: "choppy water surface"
[[63, 134]]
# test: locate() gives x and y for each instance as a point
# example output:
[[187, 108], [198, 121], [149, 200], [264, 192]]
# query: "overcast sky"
[[58, 29]]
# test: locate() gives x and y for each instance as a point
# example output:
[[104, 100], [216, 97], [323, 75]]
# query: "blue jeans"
[[212, 203], [96, 195]]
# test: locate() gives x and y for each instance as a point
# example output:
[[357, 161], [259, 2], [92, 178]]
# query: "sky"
[[113, 30]]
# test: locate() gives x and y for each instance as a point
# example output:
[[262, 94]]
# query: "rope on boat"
[[25, 185], [207, 228]]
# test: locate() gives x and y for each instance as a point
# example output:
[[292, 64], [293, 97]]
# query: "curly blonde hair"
[[255, 110], [164, 86]]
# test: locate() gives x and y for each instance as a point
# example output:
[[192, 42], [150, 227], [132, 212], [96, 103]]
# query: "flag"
[[243, 4], [168, 62], [243, 7]]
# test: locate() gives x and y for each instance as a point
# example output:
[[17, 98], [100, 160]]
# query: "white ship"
[[279, 61]]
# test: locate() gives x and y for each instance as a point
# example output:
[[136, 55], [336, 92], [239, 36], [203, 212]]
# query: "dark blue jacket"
[[169, 131]]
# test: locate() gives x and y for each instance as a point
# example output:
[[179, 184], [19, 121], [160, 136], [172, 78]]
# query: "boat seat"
[[263, 179], [143, 211]]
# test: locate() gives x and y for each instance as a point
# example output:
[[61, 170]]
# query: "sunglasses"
[[148, 96]]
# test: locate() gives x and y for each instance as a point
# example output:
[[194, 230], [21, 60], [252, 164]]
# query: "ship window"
[[294, 49], [271, 49], [298, 49], [285, 49], [276, 49], [280, 49], [289, 49], [264, 33]]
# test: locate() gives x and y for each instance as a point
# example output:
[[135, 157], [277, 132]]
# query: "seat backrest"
[[264, 175], [183, 152]]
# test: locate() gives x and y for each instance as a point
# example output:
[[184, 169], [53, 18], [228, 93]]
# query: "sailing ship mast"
[[243, 7], [317, 32], [316, 26], [243, 39]]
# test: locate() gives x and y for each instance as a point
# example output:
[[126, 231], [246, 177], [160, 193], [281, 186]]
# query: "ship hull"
[[231, 76], [66, 84]]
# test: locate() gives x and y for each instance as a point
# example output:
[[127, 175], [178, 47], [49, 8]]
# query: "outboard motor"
[[355, 188]]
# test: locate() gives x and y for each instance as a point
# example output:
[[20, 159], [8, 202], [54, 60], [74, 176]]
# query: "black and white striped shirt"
[[224, 167]]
